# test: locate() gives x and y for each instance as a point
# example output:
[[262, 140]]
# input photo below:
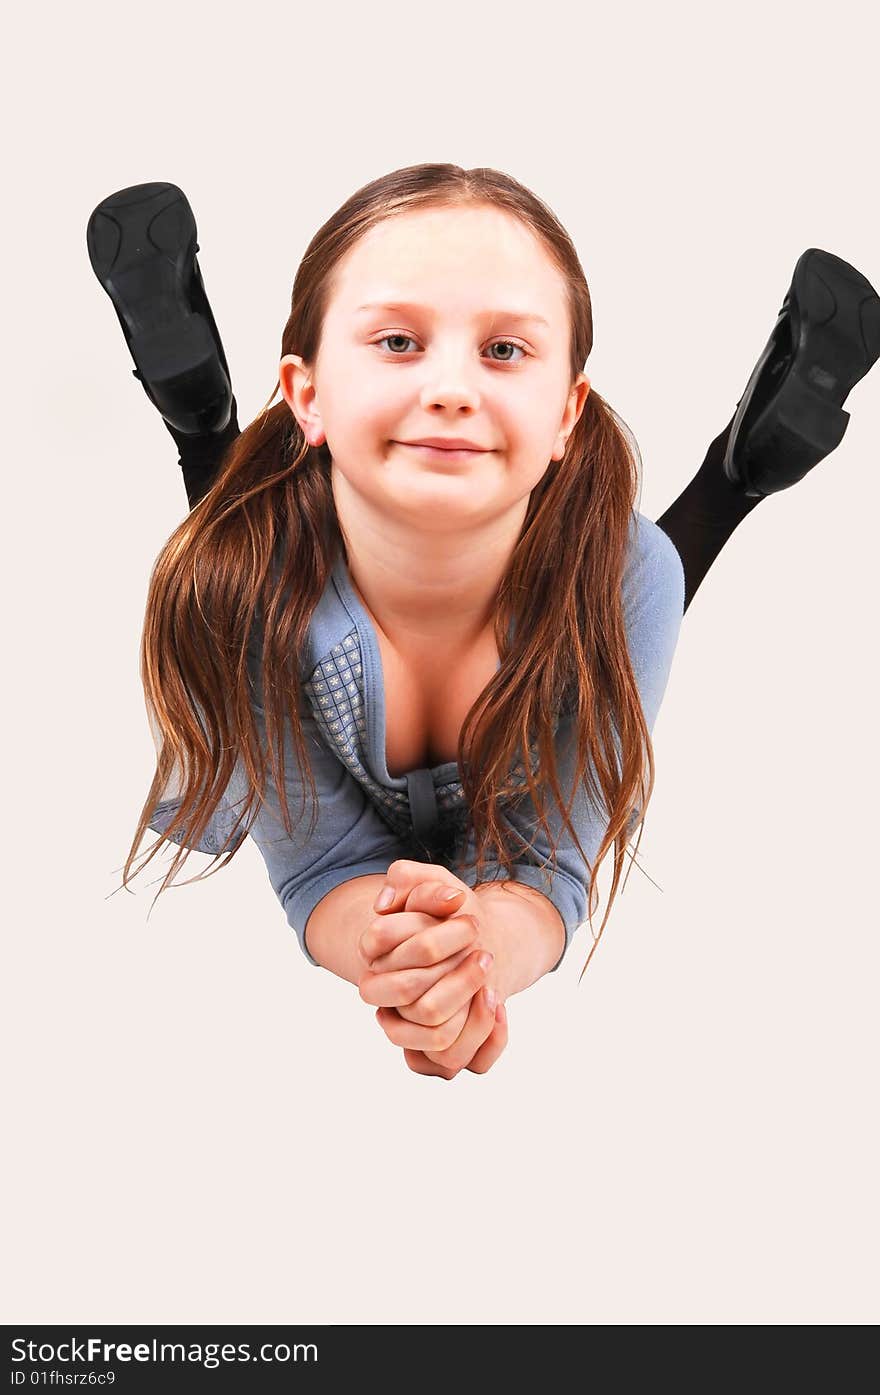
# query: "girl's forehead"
[[432, 232], [411, 259]]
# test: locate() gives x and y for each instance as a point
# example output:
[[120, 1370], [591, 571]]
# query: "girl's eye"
[[508, 343]]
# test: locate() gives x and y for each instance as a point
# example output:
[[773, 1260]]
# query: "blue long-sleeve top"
[[367, 818]]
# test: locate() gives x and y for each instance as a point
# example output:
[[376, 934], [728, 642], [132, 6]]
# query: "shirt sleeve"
[[349, 839], [653, 601]]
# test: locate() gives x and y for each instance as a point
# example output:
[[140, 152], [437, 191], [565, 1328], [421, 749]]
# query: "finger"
[[477, 1030], [402, 987], [385, 933], [492, 1047], [403, 875], [452, 992], [423, 1065], [429, 941], [480, 1023], [437, 898], [404, 1033]]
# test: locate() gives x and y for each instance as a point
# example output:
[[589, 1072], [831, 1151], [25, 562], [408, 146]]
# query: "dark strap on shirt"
[[423, 804]]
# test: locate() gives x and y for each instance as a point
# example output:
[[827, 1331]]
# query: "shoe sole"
[[142, 244], [834, 314]]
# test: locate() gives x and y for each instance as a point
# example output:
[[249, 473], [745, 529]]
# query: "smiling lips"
[[445, 443], [446, 448]]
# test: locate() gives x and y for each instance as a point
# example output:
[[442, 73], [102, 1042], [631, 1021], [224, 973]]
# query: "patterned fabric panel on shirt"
[[335, 692]]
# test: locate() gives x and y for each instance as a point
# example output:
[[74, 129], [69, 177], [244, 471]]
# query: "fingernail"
[[385, 897], [486, 960], [451, 895], [490, 998]]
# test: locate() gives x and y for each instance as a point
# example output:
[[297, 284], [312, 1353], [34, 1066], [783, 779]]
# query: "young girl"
[[454, 613]]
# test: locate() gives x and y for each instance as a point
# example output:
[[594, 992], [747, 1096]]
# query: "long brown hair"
[[233, 589]]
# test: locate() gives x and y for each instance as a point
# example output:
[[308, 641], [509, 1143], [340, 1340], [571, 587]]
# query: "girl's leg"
[[790, 416], [200, 456], [142, 245], [704, 515]]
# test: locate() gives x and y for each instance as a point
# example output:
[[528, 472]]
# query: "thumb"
[[400, 879], [436, 898], [395, 895]]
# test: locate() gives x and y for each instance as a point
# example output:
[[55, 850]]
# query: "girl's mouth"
[[443, 453]]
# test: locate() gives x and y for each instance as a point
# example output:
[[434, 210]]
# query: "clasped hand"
[[428, 975]]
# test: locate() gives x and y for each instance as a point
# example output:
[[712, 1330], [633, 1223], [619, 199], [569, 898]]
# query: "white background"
[[204, 1127]]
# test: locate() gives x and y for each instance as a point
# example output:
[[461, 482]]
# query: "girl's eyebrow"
[[409, 307]]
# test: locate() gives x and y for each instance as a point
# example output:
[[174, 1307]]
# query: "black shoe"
[[142, 246], [791, 414]]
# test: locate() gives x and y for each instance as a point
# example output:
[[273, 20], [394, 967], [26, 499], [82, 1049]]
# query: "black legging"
[[699, 522]]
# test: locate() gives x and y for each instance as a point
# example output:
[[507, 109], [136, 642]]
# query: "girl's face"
[[444, 322]]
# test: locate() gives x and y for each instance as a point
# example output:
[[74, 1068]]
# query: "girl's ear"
[[291, 374], [298, 391], [574, 406]]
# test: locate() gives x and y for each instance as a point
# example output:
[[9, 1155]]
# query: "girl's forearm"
[[523, 929], [337, 923]]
